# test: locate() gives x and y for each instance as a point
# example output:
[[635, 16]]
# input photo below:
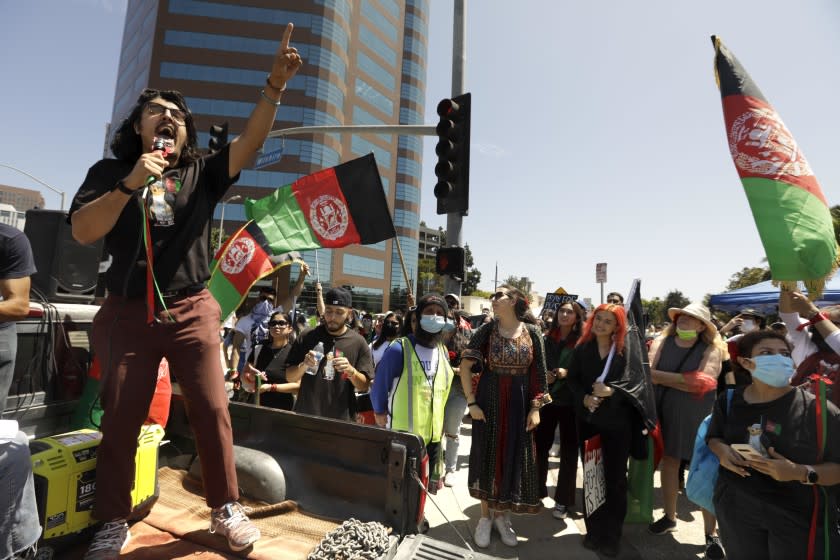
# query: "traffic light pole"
[[454, 220]]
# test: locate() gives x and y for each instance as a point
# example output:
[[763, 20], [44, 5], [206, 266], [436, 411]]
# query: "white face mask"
[[748, 326], [432, 323]]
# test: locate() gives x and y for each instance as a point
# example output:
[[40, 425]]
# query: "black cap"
[[431, 299], [338, 296]]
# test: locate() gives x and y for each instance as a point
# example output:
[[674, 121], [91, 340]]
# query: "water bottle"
[[319, 354], [329, 369]]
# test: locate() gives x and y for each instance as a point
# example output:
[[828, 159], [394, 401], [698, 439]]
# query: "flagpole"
[[402, 264], [317, 268]]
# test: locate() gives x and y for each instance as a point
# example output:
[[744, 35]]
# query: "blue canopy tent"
[[764, 297]]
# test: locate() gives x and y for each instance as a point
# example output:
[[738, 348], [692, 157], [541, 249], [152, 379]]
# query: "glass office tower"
[[364, 63]]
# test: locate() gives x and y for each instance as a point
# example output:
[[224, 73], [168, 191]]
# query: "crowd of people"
[[525, 384], [529, 386]]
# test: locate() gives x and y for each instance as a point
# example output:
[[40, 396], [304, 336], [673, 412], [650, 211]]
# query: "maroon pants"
[[130, 350]]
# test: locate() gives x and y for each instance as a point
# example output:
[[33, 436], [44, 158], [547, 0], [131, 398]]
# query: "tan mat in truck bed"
[[182, 512]]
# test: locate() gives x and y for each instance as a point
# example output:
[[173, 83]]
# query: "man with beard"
[[414, 377], [324, 393], [158, 305]]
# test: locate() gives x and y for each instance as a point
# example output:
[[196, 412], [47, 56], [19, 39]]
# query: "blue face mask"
[[432, 323], [774, 369]]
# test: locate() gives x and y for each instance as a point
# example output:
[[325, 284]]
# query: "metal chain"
[[353, 540]]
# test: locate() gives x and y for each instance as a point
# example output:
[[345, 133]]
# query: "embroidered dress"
[[503, 469]]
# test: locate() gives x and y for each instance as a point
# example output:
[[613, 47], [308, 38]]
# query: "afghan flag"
[[332, 208], [788, 205]]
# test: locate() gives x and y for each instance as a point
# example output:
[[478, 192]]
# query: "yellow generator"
[[64, 468]]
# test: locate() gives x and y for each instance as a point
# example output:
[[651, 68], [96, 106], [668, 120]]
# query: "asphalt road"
[[543, 537]]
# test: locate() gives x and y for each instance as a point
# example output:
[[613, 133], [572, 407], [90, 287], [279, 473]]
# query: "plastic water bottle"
[[319, 354], [329, 370]]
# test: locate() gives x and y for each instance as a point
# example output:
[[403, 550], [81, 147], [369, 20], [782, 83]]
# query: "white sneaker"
[[503, 526], [482, 532], [109, 540], [231, 522]]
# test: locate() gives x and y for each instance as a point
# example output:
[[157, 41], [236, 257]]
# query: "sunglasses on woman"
[[498, 295], [278, 324]]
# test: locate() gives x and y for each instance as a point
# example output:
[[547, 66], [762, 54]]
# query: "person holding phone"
[[777, 495]]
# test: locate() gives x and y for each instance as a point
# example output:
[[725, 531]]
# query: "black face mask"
[[389, 330]]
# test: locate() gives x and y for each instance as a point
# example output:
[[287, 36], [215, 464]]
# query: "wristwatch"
[[811, 477]]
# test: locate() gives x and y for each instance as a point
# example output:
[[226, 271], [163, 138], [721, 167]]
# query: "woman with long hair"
[[505, 408], [560, 341], [685, 363], [608, 397], [389, 332], [268, 360]]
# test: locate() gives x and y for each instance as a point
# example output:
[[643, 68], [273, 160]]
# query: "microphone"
[[164, 145]]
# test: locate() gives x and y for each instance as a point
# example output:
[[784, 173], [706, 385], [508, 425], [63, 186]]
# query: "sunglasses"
[[278, 324], [156, 109], [392, 323], [498, 295], [614, 301]]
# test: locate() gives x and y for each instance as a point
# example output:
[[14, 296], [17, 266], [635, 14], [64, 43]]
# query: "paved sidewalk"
[[543, 537]]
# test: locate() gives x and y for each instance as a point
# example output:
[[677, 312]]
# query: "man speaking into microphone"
[[153, 204]]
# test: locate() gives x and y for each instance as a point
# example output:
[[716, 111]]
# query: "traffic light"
[[218, 136], [453, 151], [449, 261]]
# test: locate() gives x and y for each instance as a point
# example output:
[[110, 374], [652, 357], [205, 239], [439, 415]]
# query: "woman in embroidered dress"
[[505, 408]]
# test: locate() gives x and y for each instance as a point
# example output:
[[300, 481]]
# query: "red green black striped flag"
[[332, 208], [788, 205]]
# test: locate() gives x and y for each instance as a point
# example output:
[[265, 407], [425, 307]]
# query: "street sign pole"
[[601, 277]]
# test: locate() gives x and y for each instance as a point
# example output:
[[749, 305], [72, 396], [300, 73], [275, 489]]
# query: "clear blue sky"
[[597, 130]]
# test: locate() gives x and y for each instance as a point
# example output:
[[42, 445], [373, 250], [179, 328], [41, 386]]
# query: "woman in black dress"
[[609, 398]]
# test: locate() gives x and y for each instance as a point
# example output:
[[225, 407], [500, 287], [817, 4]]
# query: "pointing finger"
[[287, 35]]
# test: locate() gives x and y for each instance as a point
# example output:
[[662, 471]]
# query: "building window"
[[373, 96], [362, 147], [375, 71], [362, 266], [379, 21]]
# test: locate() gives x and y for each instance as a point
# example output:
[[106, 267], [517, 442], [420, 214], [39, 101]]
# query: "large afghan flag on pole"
[[332, 208], [790, 210]]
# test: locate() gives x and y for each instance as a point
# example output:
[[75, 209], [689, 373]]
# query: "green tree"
[[473, 275], [675, 298], [655, 310], [428, 279], [748, 276], [214, 240], [521, 283]]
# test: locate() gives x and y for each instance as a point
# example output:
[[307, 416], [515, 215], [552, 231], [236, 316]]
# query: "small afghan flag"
[[788, 205], [332, 208]]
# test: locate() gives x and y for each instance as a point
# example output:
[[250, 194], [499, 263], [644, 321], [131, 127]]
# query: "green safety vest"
[[417, 403]]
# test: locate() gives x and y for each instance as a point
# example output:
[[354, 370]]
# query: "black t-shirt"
[[273, 362], [787, 424], [336, 398], [182, 208], [15, 257]]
